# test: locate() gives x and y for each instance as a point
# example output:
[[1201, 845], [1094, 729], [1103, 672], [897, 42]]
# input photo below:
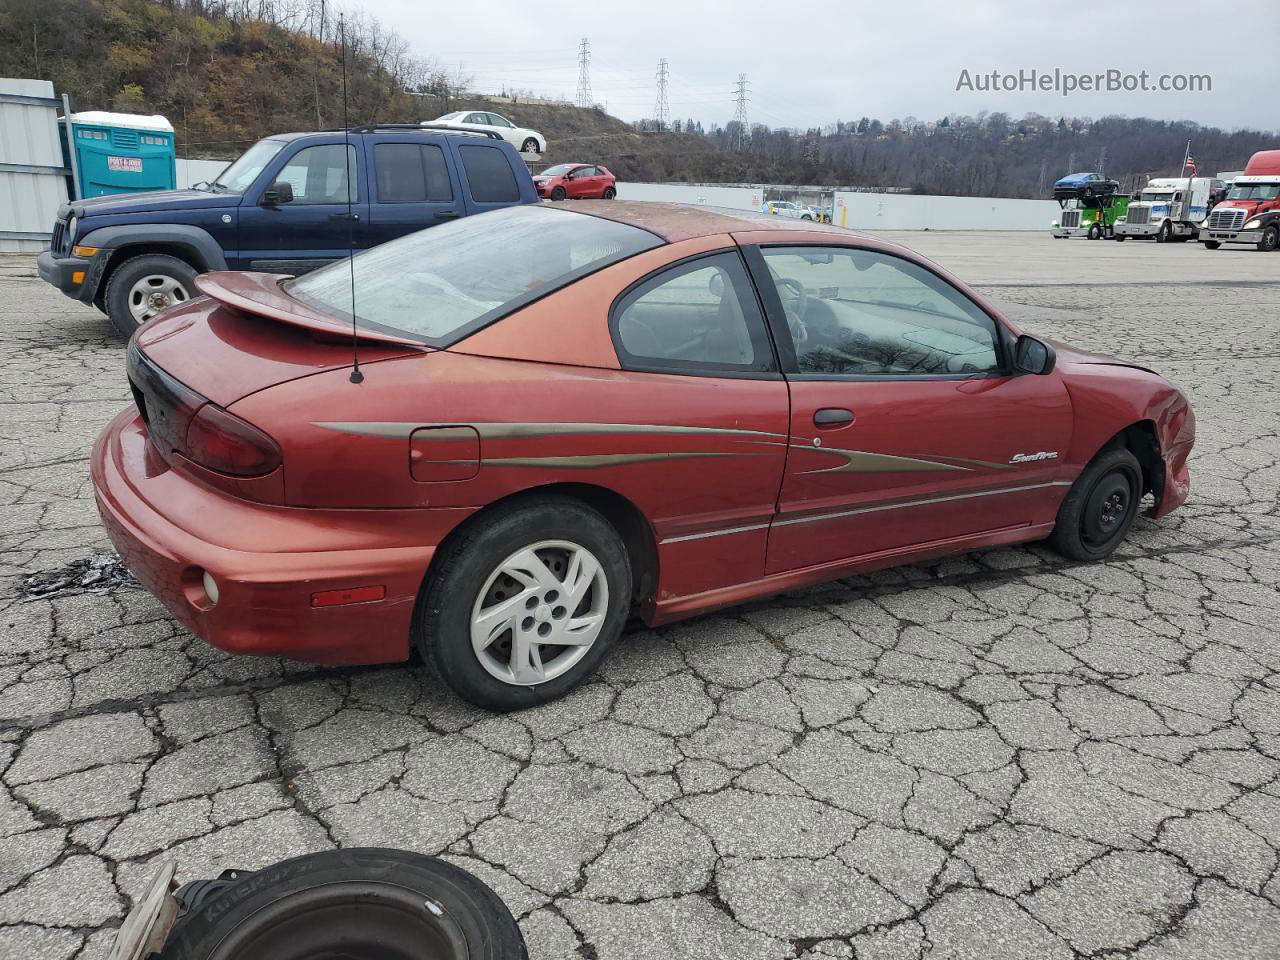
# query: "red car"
[[568, 416], [576, 181]]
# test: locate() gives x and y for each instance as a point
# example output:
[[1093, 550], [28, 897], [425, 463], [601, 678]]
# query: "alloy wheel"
[[539, 612], [154, 293]]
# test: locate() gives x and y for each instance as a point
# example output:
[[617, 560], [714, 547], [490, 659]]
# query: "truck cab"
[[291, 203], [1251, 211], [1168, 208]]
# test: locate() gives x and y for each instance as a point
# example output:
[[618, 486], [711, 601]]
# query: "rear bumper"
[[267, 561]]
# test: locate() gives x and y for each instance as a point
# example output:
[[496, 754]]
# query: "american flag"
[[1191, 164]]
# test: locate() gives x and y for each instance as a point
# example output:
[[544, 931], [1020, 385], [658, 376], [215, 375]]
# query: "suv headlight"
[[71, 230], [1253, 224]]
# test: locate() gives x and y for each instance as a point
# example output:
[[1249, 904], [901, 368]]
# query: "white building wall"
[[904, 211], [29, 198], [193, 171]]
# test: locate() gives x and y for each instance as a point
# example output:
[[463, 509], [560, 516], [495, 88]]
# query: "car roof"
[[681, 221]]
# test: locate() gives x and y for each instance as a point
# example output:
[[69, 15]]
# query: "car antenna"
[[356, 375]]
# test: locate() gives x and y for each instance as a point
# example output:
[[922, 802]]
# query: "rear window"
[[441, 284], [411, 173], [490, 175]]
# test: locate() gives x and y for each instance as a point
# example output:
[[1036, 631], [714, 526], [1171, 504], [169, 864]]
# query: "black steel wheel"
[[357, 904], [1100, 507]]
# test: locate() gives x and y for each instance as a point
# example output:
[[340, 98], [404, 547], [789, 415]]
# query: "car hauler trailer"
[[1093, 217], [1169, 208], [1251, 211]]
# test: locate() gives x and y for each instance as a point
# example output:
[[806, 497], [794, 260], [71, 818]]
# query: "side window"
[[411, 173], [489, 175], [697, 317], [498, 121], [585, 172], [478, 118], [319, 174], [859, 312]]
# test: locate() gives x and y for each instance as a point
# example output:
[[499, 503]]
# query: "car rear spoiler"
[[259, 294]]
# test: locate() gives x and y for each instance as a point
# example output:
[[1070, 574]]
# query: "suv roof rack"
[[439, 127]]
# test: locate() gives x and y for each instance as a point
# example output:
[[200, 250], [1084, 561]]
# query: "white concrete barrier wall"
[[904, 211], [193, 171], [871, 211], [736, 198]]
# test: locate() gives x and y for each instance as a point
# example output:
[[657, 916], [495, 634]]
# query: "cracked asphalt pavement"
[[1001, 755]]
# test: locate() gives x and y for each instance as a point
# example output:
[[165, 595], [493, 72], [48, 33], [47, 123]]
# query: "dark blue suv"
[[283, 207]]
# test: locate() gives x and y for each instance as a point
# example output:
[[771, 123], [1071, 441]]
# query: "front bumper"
[[62, 272], [1231, 236], [1070, 231], [267, 561], [1138, 229]]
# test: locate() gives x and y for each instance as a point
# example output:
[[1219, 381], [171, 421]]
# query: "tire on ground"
[[1079, 511], [463, 565], [372, 902], [122, 279]]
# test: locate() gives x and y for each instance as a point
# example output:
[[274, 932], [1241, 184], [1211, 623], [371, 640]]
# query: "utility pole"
[[661, 110], [584, 73], [740, 114], [1071, 162], [1044, 168], [1102, 161]]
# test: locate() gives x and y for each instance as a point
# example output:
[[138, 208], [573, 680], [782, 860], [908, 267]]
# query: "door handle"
[[832, 417], [448, 215], [344, 216]]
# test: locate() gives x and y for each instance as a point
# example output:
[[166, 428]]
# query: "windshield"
[[1254, 191], [559, 170], [443, 283], [240, 175], [1156, 196]]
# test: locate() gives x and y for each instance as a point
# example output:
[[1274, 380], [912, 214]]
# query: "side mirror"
[[1033, 356], [279, 192]]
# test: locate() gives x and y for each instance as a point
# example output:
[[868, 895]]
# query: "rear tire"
[[360, 902], [1100, 507], [1270, 239], [145, 285], [538, 567], [610, 193], [558, 193], [530, 146]]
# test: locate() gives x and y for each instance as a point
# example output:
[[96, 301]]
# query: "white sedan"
[[784, 208], [526, 141]]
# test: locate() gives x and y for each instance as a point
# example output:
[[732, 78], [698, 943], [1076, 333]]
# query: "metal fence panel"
[[32, 178]]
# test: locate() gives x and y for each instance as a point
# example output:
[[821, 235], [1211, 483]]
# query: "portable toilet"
[[121, 152]]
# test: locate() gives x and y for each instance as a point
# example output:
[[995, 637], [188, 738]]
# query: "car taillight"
[[223, 442]]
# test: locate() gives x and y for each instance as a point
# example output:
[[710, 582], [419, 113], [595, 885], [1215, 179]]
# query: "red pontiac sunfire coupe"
[[571, 415]]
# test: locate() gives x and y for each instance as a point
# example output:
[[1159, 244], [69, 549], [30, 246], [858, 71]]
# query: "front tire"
[[1270, 239], [1095, 232], [526, 602], [143, 286], [558, 193], [359, 902], [1212, 244], [1100, 507], [1165, 233]]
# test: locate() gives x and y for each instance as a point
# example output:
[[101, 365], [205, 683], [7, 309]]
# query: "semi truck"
[[1169, 208], [1090, 204], [1251, 211]]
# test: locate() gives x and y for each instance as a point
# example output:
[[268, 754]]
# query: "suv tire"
[[143, 286]]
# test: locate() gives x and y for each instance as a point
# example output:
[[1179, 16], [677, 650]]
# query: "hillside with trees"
[[226, 72]]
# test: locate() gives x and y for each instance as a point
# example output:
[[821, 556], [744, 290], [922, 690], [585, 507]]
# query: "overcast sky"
[[811, 63]]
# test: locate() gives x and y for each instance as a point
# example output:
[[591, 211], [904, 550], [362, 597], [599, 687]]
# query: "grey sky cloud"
[[811, 64]]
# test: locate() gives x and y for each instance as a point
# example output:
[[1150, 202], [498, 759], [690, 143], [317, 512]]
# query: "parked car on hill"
[[576, 181], [522, 138], [282, 208], [572, 414]]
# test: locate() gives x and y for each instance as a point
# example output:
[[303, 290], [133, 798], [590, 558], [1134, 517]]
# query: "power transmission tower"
[[584, 73], [661, 110], [740, 114]]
